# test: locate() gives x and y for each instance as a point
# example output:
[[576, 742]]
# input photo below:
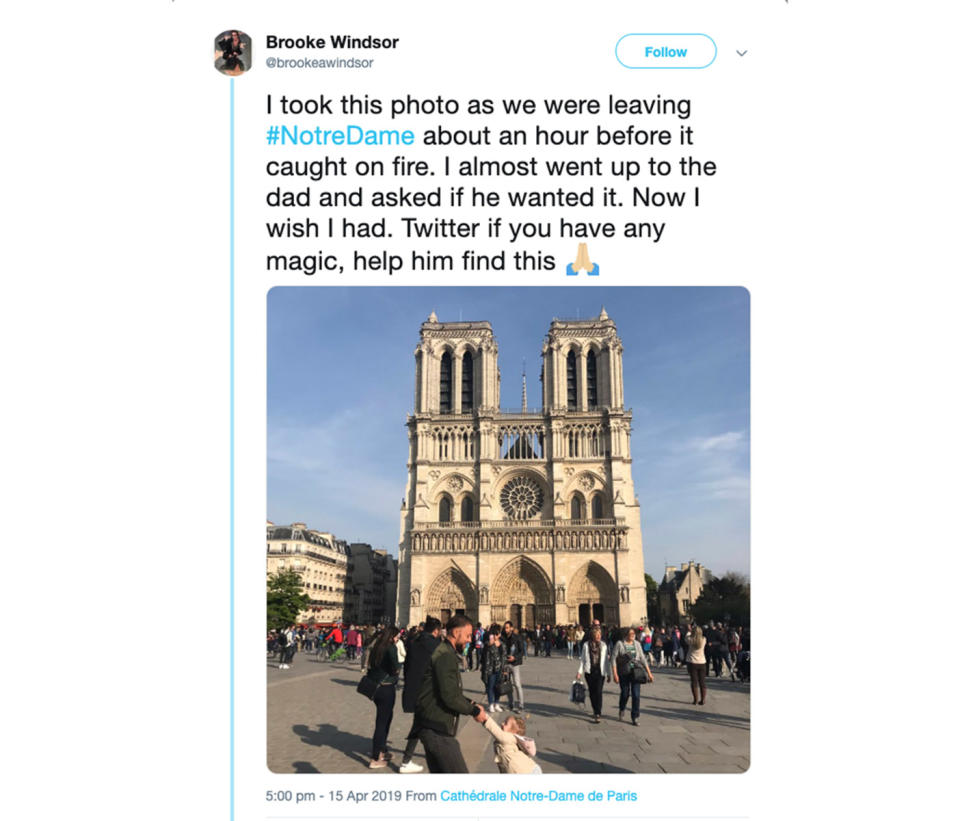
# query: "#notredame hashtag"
[[273, 134]]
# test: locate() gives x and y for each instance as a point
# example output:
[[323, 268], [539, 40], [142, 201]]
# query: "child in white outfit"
[[514, 752]]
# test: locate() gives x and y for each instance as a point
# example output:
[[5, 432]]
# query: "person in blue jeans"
[[627, 654], [491, 667]]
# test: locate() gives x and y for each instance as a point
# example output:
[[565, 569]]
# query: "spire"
[[603, 313], [524, 395]]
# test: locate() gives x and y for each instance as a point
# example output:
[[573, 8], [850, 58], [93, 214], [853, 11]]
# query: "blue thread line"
[[232, 465]]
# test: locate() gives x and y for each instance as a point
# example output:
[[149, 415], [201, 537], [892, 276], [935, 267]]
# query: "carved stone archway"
[[592, 593], [522, 593], [450, 593]]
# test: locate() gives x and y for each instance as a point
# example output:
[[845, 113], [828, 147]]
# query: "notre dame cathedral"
[[528, 514]]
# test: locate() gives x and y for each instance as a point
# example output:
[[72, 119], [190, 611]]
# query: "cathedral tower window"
[[445, 509], [597, 504], [576, 507], [446, 382], [466, 509], [571, 381], [466, 382], [591, 380]]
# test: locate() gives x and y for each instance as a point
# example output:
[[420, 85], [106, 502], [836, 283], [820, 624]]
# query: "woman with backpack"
[[629, 661]]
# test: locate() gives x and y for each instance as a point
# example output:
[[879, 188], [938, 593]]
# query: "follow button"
[[666, 50]]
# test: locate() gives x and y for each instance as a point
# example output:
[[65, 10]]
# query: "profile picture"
[[232, 52]]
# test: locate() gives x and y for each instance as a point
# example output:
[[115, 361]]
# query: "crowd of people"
[[430, 660], [336, 641]]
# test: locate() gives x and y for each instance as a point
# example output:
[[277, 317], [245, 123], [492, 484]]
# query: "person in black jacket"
[[491, 668], [513, 652], [414, 668], [441, 702], [230, 50], [384, 670]]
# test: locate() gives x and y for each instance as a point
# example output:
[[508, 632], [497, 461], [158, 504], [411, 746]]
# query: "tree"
[[725, 599], [285, 600], [653, 599]]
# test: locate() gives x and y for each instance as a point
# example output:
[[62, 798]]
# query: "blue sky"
[[341, 378]]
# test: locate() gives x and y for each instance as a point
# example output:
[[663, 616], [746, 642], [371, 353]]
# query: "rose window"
[[521, 498]]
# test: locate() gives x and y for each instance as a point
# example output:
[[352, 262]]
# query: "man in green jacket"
[[441, 702]]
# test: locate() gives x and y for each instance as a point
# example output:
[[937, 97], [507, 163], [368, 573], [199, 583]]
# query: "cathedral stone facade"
[[525, 515]]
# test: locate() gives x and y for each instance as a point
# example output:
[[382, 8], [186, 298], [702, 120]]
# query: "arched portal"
[[592, 594], [450, 593], [522, 593]]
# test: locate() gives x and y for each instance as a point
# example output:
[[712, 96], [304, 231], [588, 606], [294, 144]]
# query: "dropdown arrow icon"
[[741, 53]]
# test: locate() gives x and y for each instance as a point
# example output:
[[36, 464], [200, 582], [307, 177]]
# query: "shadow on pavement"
[[717, 719], [327, 735], [578, 764], [551, 710]]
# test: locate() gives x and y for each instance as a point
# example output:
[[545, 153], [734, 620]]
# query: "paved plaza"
[[319, 723]]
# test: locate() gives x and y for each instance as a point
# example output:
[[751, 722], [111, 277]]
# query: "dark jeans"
[[595, 688], [493, 679], [698, 678], [442, 752], [630, 689], [410, 748], [384, 698], [288, 653]]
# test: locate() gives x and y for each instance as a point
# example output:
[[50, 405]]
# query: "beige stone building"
[[321, 561], [528, 515], [680, 589]]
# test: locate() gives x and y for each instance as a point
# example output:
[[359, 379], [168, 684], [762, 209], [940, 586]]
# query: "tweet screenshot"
[[507, 370], [530, 318]]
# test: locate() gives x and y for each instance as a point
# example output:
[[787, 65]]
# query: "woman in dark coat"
[[231, 49], [491, 667], [385, 670]]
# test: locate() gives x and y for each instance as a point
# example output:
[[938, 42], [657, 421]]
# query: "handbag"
[[578, 693], [367, 687], [638, 673], [505, 685]]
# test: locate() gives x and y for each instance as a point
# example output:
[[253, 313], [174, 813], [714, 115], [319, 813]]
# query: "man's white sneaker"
[[411, 767]]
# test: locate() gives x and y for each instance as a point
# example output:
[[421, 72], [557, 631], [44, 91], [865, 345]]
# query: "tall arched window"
[[446, 381], [445, 509], [597, 507], [466, 382], [571, 381], [576, 507], [466, 509], [591, 380]]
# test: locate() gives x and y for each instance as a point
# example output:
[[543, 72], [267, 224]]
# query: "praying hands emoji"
[[583, 263]]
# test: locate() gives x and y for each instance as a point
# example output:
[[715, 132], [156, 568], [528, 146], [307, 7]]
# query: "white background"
[[835, 206]]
